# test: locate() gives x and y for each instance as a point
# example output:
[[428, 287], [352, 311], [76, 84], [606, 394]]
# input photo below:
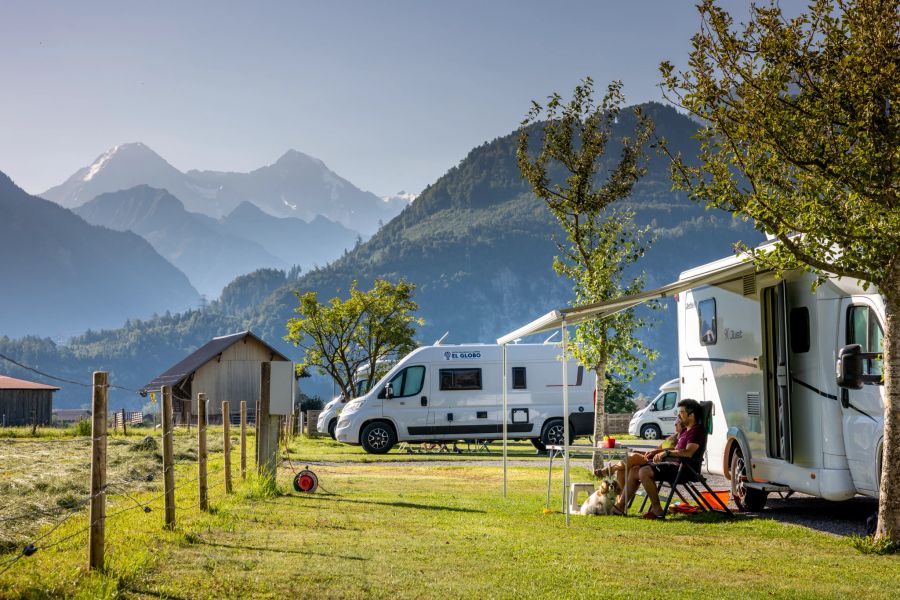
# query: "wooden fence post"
[[168, 456], [266, 430], [33, 422], [243, 439], [201, 451], [226, 443], [98, 471], [124, 430]]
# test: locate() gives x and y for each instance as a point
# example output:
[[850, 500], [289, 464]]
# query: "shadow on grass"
[[152, 593], [336, 498], [278, 550]]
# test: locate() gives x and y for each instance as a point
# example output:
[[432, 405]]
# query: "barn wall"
[[16, 405], [234, 377]]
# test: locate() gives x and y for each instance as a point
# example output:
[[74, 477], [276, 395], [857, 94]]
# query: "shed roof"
[[11, 383], [201, 356]]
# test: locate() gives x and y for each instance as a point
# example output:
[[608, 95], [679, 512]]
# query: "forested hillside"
[[476, 242]]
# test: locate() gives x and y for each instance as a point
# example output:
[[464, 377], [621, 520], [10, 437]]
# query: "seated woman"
[[639, 459], [659, 467]]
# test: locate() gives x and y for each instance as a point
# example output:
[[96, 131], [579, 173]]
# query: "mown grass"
[[414, 530]]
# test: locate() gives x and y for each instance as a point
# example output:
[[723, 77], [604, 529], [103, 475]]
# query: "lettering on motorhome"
[[689, 305], [731, 334], [462, 355]]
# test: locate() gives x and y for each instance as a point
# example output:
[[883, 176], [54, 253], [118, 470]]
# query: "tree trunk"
[[599, 408], [889, 494]]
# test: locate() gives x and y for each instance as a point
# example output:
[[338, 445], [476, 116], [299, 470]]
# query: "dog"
[[602, 501]]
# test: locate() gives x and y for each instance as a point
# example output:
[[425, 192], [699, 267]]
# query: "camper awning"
[[714, 273]]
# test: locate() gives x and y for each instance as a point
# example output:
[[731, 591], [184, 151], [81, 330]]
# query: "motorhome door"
[[862, 410], [777, 372], [408, 404]]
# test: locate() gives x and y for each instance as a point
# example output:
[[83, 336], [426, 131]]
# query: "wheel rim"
[[555, 435], [377, 438], [650, 433], [738, 476]]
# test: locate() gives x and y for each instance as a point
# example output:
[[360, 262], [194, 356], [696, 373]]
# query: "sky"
[[389, 94]]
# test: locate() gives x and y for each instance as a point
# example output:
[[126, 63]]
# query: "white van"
[[445, 393], [657, 420]]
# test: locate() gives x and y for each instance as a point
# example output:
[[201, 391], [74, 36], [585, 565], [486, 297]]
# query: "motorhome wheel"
[[651, 432], [746, 499], [536, 442], [331, 426], [377, 438], [553, 433]]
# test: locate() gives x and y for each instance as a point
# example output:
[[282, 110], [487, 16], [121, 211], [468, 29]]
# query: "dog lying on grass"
[[602, 501]]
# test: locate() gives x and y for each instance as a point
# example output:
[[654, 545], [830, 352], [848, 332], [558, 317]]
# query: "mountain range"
[[61, 275], [212, 252], [296, 185], [478, 245]]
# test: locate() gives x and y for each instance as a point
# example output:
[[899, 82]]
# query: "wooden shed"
[[225, 368], [24, 402]]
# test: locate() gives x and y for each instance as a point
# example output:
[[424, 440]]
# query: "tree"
[[340, 337], [801, 134], [602, 241]]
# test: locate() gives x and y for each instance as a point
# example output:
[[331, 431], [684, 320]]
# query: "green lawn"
[[396, 529]]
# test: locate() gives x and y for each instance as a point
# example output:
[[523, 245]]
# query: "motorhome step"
[[767, 487]]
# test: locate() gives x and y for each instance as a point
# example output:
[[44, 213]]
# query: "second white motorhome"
[[443, 393], [657, 420]]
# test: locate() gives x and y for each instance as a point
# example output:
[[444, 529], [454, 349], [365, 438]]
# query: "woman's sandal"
[[651, 516], [615, 510], [601, 472]]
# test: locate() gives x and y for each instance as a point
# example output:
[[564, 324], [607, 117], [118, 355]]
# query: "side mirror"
[[652, 407], [387, 392], [849, 368]]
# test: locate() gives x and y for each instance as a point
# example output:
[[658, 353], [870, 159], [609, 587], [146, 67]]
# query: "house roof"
[[11, 383], [203, 355]]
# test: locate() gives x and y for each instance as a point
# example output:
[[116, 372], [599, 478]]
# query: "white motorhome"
[[657, 420], [763, 350], [442, 393], [332, 410]]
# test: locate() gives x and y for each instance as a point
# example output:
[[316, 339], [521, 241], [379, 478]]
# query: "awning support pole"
[[565, 384], [505, 413]]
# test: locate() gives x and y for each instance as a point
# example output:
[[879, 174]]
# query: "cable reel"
[[306, 481]]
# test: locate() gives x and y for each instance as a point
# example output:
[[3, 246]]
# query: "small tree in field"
[[602, 241], [340, 337], [802, 135]]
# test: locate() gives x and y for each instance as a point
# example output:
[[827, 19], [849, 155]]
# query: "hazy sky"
[[390, 94]]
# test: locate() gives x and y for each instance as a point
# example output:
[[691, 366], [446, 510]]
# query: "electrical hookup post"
[[276, 399]]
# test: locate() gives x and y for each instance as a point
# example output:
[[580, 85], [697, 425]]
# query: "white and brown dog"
[[602, 501]]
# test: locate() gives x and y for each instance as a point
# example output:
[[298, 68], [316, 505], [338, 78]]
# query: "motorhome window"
[[864, 329], [408, 382], [460, 379], [666, 401], [518, 374], [799, 323], [706, 310]]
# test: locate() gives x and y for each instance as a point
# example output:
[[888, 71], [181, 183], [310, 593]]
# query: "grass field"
[[386, 527]]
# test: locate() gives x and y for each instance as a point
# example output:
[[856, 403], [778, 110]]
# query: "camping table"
[[618, 452]]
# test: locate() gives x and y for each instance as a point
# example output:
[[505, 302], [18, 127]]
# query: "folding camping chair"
[[687, 478]]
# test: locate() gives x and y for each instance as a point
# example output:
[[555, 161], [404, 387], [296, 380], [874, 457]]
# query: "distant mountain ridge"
[[62, 275], [213, 252], [296, 185]]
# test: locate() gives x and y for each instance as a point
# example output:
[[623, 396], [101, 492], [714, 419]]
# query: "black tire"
[[538, 445], [553, 433], [651, 432], [377, 438], [331, 427], [746, 499]]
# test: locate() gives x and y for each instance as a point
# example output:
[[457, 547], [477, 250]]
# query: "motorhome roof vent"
[[753, 407], [750, 284]]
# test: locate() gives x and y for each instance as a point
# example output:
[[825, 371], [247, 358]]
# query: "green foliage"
[[802, 131], [83, 427], [871, 545], [251, 289], [602, 241], [340, 337], [619, 396], [310, 403]]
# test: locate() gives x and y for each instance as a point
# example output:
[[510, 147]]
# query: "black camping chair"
[[689, 474]]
